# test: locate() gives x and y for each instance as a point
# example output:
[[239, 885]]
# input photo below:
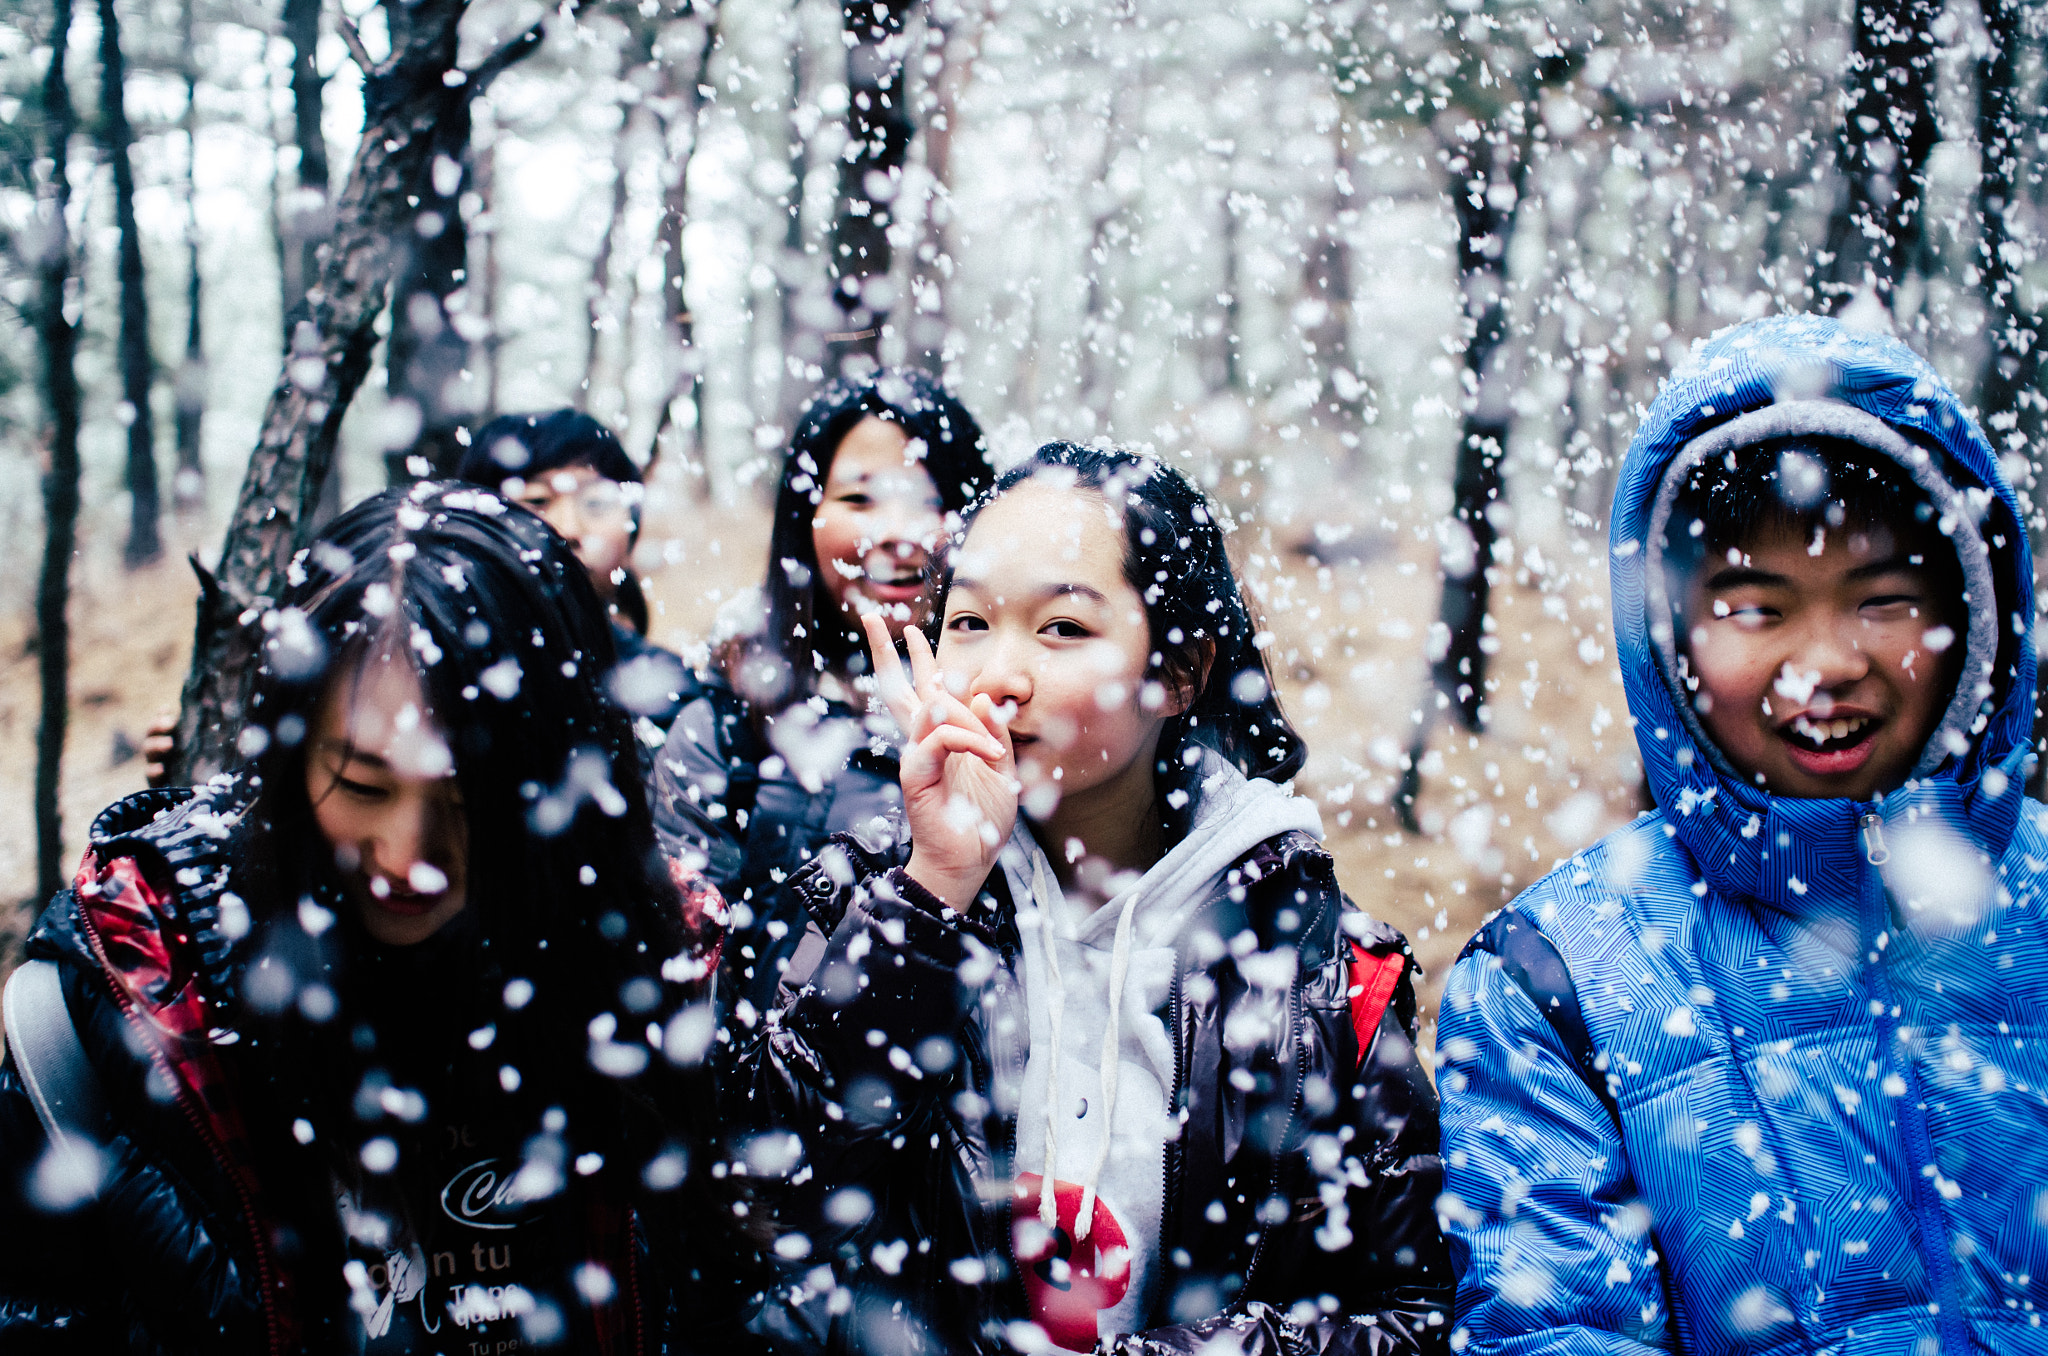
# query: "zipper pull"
[[1874, 850]]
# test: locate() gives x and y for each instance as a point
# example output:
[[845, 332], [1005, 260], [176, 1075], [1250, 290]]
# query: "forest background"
[[1393, 278]]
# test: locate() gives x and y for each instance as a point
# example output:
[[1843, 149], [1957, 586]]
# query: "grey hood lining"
[[1848, 423]]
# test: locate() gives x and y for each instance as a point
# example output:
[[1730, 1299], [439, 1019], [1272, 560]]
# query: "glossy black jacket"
[[1300, 1198]]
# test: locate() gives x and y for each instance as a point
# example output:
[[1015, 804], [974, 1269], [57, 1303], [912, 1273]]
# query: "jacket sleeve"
[[138, 1254], [891, 964], [1553, 1250], [1371, 1179], [687, 794]]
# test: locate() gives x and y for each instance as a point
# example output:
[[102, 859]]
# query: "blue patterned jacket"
[[1760, 1074]]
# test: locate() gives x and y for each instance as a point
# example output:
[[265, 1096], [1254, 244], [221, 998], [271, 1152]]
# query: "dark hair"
[[571, 911], [1195, 611], [772, 667], [1801, 486], [529, 445]]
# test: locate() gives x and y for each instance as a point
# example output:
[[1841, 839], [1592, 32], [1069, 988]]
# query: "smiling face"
[[1821, 673], [382, 785], [877, 524], [593, 514], [1041, 618]]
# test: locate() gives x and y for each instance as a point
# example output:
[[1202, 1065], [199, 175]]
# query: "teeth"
[[1821, 731]]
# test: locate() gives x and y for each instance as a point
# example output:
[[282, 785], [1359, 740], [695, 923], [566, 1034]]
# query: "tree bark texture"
[[878, 130], [145, 541], [408, 106], [1888, 131], [60, 481]]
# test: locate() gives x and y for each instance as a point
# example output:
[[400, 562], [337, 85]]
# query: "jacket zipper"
[[1939, 1259], [1176, 1150], [265, 1278], [1286, 1130]]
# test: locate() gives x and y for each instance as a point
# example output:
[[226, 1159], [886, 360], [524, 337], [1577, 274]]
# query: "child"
[[361, 1034], [1093, 1060], [1762, 1071], [779, 753]]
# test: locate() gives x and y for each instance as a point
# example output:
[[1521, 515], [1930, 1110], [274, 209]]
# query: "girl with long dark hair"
[[1101, 1058], [383, 1043], [780, 751]]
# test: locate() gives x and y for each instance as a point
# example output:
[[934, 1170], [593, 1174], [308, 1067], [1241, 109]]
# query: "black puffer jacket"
[[212, 1231], [749, 818], [1300, 1198]]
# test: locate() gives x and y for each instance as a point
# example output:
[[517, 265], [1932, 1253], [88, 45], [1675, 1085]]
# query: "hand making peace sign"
[[959, 773]]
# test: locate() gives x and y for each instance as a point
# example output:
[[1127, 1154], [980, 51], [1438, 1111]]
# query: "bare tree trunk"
[[879, 128], [484, 246], [1888, 131], [304, 219], [188, 486], [928, 330], [145, 542], [426, 355], [60, 482], [803, 344], [409, 106], [595, 302], [679, 141], [1488, 175]]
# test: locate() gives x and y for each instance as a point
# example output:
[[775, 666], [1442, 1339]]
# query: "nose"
[[1830, 649], [1005, 674], [902, 527], [399, 842]]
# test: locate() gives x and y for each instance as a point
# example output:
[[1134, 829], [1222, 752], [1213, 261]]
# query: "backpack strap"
[[1535, 965], [1373, 981], [48, 1056]]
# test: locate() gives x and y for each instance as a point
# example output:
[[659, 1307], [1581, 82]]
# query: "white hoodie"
[[1096, 1115]]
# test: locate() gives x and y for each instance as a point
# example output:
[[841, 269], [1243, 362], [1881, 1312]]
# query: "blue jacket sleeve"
[[1553, 1251]]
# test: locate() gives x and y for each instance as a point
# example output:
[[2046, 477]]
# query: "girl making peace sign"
[[1100, 1056]]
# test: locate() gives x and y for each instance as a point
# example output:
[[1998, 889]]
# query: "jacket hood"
[[1793, 375]]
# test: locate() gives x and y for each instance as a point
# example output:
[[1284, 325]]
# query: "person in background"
[[1100, 1058], [780, 751], [380, 1044], [1762, 1071], [573, 471]]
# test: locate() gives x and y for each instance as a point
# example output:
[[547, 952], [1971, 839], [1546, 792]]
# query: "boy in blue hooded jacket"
[[1767, 1069]]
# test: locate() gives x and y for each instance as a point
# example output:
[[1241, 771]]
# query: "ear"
[[1182, 691]]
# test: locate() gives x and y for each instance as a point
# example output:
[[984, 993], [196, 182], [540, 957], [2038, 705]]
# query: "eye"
[[854, 498], [1893, 603], [1065, 628], [359, 790], [966, 621]]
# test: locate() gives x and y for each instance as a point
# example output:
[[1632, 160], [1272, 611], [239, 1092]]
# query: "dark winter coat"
[[1299, 1200], [211, 1231], [749, 817], [1764, 1074]]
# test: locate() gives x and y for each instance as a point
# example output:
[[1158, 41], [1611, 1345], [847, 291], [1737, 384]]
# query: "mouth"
[[1830, 747], [404, 902]]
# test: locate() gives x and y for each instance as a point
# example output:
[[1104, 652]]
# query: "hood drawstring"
[[1109, 1062]]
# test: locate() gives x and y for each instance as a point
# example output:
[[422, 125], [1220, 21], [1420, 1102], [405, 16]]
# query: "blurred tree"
[[1888, 130], [678, 110], [188, 485], [52, 255], [304, 217], [878, 129], [138, 369], [411, 101]]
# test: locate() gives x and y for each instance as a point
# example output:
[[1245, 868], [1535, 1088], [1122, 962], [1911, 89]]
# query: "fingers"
[[950, 738], [983, 709], [892, 685], [924, 665]]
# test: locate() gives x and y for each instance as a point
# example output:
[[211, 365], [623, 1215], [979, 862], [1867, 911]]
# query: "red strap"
[[1373, 979]]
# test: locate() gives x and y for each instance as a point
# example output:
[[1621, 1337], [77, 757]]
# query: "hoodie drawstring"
[[1111, 1059]]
